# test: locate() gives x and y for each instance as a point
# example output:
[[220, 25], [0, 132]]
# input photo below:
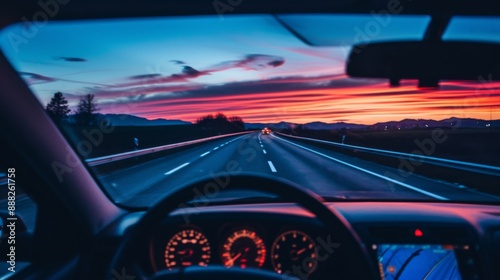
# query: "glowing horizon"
[[350, 110]]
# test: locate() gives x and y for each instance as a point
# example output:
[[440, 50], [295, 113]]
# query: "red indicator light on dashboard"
[[418, 233]]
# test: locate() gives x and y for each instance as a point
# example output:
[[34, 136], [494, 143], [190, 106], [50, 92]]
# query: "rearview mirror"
[[429, 62]]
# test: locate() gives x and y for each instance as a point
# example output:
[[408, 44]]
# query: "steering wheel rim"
[[332, 220]]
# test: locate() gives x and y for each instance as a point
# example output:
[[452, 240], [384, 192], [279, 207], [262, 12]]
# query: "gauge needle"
[[231, 261], [295, 254], [301, 251]]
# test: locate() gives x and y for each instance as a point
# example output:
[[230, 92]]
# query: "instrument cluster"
[[286, 251]]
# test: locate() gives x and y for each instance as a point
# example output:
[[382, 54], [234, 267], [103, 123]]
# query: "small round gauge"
[[187, 247], [294, 250], [243, 248]]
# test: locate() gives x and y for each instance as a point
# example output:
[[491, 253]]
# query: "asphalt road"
[[325, 172]]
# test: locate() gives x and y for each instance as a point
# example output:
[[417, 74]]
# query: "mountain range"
[[402, 124], [130, 120], [449, 122], [311, 125]]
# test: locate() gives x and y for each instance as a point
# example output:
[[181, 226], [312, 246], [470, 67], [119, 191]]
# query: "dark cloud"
[[191, 72], [71, 59], [281, 84], [145, 76], [108, 92], [191, 90], [248, 62], [263, 61], [276, 63], [33, 78], [178, 62], [251, 62], [180, 90]]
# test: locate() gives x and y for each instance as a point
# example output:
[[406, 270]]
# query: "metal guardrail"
[[125, 155], [461, 165]]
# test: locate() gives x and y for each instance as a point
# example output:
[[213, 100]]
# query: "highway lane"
[[355, 178], [146, 181], [322, 171]]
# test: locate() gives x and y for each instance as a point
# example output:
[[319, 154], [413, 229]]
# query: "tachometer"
[[294, 251], [187, 247], [243, 248]]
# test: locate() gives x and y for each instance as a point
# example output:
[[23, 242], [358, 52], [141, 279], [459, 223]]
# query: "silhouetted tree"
[[206, 121], [221, 123], [86, 111], [237, 122], [58, 108]]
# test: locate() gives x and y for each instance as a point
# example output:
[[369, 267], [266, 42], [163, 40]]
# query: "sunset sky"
[[248, 66]]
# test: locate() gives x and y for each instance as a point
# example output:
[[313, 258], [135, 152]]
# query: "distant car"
[[266, 131]]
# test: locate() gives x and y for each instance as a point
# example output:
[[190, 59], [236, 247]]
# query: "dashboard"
[[286, 244], [405, 240]]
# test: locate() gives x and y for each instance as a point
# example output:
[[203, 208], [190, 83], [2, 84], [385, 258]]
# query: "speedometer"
[[187, 247], [294, 250], [243, 248]]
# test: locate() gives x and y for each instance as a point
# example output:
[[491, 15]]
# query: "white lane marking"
[[222, 145], [273, 169], [368, 171], [264, 151], [408, 155], [204, 154], [177, 168]]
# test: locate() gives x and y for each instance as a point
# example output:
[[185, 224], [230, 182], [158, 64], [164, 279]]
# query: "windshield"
[[151, 104]]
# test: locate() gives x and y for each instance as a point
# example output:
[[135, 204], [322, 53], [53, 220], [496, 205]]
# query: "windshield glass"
[[151, 104]]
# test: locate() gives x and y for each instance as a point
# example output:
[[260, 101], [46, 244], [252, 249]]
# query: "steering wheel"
[[334, 223]]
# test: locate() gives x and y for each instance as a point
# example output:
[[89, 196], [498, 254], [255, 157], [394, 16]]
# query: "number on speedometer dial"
[[243, 248], [294, 250], [187, 247]]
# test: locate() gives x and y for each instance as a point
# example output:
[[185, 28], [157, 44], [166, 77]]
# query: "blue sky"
[[241, 65]]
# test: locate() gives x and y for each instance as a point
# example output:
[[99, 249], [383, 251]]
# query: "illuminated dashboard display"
[[402, 261]]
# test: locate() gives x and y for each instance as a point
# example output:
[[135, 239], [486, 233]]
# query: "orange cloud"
[[364, 104]]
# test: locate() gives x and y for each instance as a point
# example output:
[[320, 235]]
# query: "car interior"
[[250, 139]]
